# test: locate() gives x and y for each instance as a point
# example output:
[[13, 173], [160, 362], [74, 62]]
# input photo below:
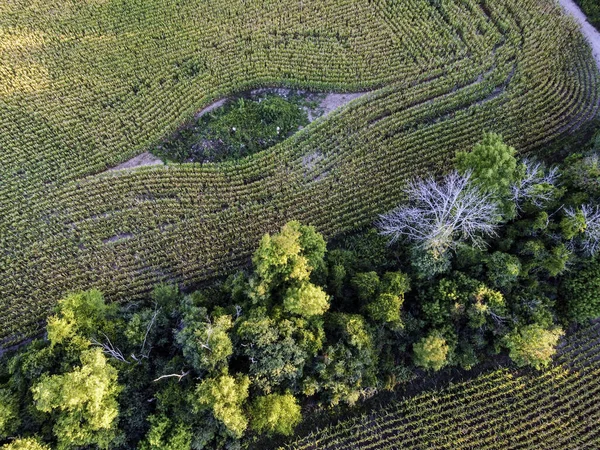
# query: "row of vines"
[[86, 85], [503, 409]]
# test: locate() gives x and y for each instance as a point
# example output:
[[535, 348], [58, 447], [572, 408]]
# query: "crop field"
[[88, 84], [497, 410]]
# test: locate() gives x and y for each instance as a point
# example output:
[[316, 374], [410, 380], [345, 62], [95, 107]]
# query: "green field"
[[503, 409], [86, 85]]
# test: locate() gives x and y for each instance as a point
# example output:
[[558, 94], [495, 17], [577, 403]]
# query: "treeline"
[[496, 257]]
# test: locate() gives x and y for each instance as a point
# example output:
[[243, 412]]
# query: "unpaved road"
[[592, 35]]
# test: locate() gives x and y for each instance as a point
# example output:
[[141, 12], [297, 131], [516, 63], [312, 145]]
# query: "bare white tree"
[[590, 242], [440, 214], [528, 187]]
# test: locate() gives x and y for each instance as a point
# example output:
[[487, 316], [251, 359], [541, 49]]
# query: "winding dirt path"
[[591, 34]]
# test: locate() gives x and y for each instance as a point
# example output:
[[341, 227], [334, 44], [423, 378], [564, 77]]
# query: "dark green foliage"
[[239, 128], [580, 292], [591, 8]]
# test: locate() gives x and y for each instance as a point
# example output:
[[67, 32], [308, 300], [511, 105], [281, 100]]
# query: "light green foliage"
[[573, 226], [306, 299], [431, 352], [9, 413], [79, 316], [503, 269], [386, 308], [533, 345], [276, 414], [493, 168], [281, 258], [225, 396], [164, 434], [396, 283], [84, 400], [26, 444], [580, 291]]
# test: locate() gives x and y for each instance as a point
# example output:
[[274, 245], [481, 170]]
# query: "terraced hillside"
[[556, 409], [86, 85]]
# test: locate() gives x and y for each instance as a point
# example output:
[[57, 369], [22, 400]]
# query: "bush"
[[431, 352], [533, 345]]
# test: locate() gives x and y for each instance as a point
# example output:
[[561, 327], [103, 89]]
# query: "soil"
[[144, 159], [591, 34]]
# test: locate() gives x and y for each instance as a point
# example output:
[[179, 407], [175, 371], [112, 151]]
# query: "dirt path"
[[591, 34]]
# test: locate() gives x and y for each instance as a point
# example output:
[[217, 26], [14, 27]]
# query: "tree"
[[164, 434], [278, 350], [9, 413], [348, 366], [503, 269], [85, 401], [585, 223], [206, 342], [306, 300], [533, 345], [225, 396], [441, 214], [386, 309], [288, 256], [26, 444], [534, 184], [80, 316], [276, 414], [493, 168], [431, 352]]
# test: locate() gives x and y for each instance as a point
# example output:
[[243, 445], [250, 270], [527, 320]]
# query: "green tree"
[[164, 434], [80, 316], [366, 285], [278, 350], [386, 309], [225, 397], [431, 352], [533, 345], [306, 299], [9, 413], [288, 256], [276, 414], [26, 444], [84, 400], [493, 168], [205, 342], [503, 269]]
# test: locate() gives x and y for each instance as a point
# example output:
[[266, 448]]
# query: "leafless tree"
[[528, 187], [440, 214], [590, 242]]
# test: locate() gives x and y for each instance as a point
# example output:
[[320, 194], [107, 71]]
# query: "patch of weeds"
[[239, 128]]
